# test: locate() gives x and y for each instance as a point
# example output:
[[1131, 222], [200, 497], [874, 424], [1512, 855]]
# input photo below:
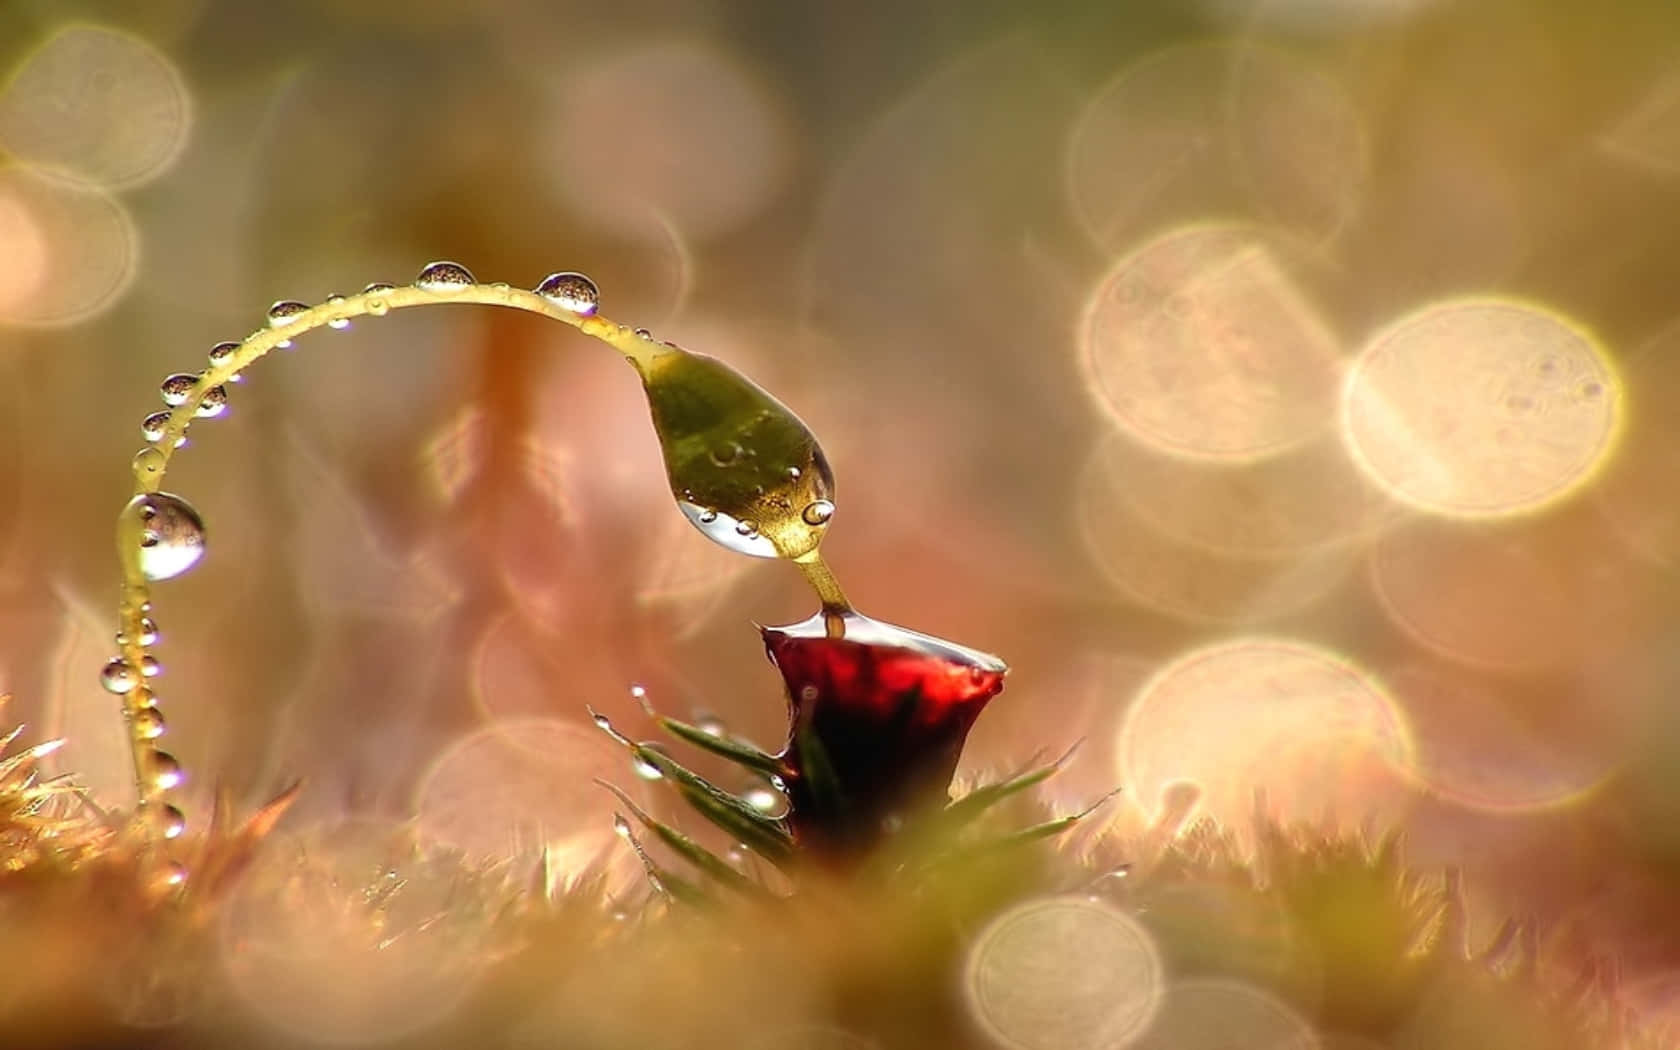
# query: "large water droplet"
[[222, 353], [621, 826], [214, 403], [338, 322], [118, 677], [172, 536], [285, 312], [149, 667], [572, 292], [148, 631], [818, 512], [176, 389], [444, 276], [153, 426], [164, 770], [741, 537], [731, 448], [644, 768], [148, 723]]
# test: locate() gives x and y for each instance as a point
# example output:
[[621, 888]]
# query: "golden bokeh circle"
[[1481, 408]]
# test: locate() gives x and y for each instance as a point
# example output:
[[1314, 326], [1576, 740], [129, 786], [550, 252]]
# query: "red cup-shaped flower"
[[879, 716]]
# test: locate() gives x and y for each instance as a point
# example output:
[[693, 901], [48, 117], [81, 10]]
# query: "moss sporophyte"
[[878, 714]]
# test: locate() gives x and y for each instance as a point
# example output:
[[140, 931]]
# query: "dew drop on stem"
[[285, 312], [164, 770], [148, 723], [572, 292], [154, 425], [444, 276], [118, 677], [176, 389], [214, 404]]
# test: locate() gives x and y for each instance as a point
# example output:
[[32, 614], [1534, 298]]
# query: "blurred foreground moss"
[[359, 937]]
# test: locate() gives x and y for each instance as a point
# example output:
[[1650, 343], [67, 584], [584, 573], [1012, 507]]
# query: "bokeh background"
[[1286, 388]]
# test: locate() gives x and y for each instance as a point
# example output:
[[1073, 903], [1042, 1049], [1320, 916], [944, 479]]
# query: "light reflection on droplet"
[[1063, 973], [1204, 1013], [97, 105], [1202, 344], [1271, 714], [70, 251], [1481, 408]]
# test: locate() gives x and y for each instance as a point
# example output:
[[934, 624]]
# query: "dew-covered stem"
[[742, 467]]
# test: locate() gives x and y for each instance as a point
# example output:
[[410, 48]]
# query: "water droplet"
[[176, 389], [285, 312], [766, 800], [621, 826], [809, 693], [148, 723], [746, 529], [726, 453], [603, 722], [444, 276], [643, 333], [149, 667], [377, 305], [711, 725], [174, 874], [153, 426], [170, 821], [214, 403], [222, 353], [817, 512], [118, 677], [707, 517], [173, 539], [644, 768], [794, 473], [572, 292], [147, 461], [638, 692], [165, 771], [284, 344], [148, 631]]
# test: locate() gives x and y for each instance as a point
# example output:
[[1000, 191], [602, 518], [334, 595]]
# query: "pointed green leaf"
[[737, 751], [964, 810], [688, 849]]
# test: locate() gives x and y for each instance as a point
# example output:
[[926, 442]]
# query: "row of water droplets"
[[161, 535]]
